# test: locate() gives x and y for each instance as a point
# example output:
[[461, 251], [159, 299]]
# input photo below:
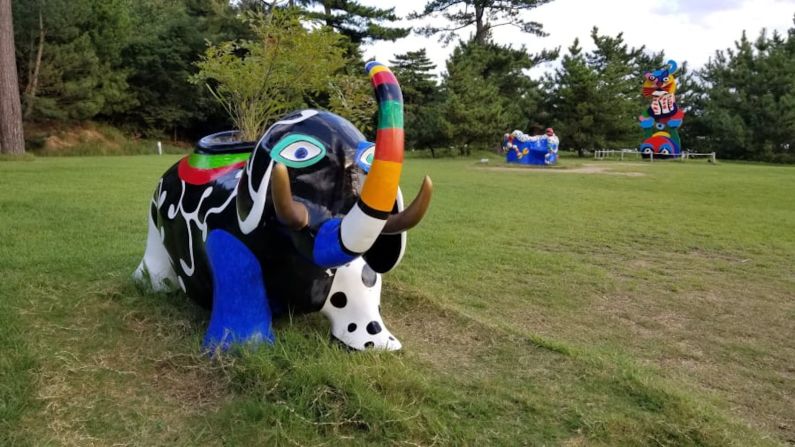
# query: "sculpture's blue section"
[[328, 251], [240, 307], [530, 150]]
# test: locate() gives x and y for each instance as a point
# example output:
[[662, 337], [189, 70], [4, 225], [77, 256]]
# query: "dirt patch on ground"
[[585, 169], [77, 136]]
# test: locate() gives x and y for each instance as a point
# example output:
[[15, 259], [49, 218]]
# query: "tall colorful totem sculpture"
[[662, 120]]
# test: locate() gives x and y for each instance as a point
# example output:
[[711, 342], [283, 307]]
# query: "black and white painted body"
[[270, 231]]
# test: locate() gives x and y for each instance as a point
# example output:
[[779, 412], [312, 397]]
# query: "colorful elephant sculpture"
[[304, 220]]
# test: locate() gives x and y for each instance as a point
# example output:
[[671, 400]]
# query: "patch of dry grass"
[[117, 368]]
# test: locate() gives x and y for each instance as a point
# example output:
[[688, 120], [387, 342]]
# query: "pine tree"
[[359, 23], [415, 71], [473, 108], [594, 98], [746, 99], [424, 120], [484, 15], [614, 63], [72, 55], [573, 101], [488, 92]]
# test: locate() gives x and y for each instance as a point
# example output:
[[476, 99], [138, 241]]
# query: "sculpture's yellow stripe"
[[377, 69]]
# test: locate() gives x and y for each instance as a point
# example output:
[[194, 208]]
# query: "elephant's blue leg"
[[240, 305]]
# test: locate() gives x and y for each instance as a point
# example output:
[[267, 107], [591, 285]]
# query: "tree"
[[12, 140], [484, 15], [594, 98], [351, 96], [424, 118], [161, 60], [473, 109], [615, 65], [72, 66], [488, 93], [257, 80], [86, 59], [746, 99], [573, 100], [415, 71], [359, 23]]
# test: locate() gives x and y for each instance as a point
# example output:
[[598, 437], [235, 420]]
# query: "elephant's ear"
[[388, 249]]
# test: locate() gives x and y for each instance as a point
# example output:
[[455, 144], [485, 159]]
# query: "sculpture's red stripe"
[[197, 176], [384, 77], [389, 145]]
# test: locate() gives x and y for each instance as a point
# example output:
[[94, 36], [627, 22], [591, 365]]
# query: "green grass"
[[598, 304]]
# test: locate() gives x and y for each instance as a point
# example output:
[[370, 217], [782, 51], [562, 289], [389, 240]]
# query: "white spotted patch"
[[352, 308]]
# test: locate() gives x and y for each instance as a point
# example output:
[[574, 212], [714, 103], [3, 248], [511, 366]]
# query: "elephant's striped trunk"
[[362, 225], [380, 189]]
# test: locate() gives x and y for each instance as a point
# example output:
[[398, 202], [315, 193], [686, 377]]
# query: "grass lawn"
[[604, 304]]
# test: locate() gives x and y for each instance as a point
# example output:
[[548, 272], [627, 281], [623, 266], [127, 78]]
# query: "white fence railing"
[[710, 155], [605, 154]]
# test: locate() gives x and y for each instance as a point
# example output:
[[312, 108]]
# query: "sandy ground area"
[[584, 169]]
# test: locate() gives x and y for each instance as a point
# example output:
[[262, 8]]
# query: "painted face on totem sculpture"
[[660, 81]]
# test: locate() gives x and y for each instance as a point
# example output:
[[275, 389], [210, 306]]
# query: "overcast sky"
[[688, 30]]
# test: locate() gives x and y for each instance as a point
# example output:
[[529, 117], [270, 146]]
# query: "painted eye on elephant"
[[665, 79], [298, 151], [364, 155], [652, 78], [660, 126]]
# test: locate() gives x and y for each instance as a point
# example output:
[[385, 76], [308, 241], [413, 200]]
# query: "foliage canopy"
[[257, 80]]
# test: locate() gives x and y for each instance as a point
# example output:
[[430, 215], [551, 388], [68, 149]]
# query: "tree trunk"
[[11, 137], [480, 28], [33, 82], [327, 10]]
